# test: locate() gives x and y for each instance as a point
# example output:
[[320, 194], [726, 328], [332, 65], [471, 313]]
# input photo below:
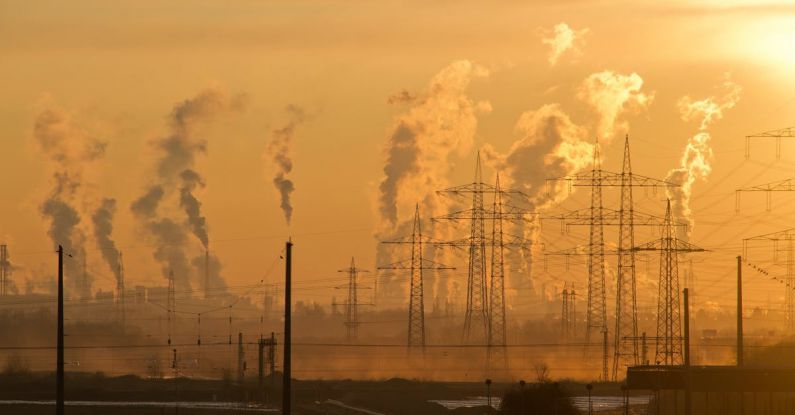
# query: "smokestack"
[[207, 273]]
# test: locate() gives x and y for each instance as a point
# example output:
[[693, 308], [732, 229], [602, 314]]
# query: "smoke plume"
[[550, 144], [192, 206], [279, 151], [68, 151], [696, 160], [441, 122], [561, 39], [175, 182], [437, 123], [611, 95], [103, 231]]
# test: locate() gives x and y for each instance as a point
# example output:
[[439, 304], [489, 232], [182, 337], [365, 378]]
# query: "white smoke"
[[611, 95], [696, 160], [561, 39], [550, 145], [440, 122]]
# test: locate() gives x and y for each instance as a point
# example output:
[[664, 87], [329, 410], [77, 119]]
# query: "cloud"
[[562, 39], [612, 95]]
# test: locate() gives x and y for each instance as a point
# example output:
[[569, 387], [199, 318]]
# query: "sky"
[[338, 79]]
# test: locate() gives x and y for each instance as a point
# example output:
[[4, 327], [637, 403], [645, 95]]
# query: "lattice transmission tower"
[[5, 271], [477, 325], [352, 305], [171, 307], [416, 265], [626, 348], [568, 312], [776, 238], [669, 321], [120, 293]]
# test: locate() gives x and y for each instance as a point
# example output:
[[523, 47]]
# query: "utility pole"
[[286, 381], [59, 370], [740, 351], [688, 393], [241, 359], [669, 331], [416, 266]]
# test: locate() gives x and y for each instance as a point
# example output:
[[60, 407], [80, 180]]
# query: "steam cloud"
[[68, 151], [103, 231], [279, 152], [612, 94], [550, 145], [440, 121], [697, 155], [561, 39], [174, 185]]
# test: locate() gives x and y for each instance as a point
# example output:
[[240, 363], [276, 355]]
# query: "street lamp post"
[[488, 392], [590, 403]]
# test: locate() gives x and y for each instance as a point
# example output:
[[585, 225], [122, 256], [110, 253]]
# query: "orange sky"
[[119, 68]]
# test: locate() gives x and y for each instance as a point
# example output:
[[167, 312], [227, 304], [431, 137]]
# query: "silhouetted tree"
[[537, 399]]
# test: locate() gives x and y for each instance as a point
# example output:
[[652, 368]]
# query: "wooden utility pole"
[[59, 371]]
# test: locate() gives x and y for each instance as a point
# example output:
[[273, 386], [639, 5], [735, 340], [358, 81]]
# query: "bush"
[[537, 399], [16, 365]]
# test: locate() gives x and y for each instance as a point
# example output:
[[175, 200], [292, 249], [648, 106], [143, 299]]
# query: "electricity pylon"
[[787, 185], [568, 313], [777, 134], [497, 341], [669, 321], [787, 237], [416, 265], [5, 271], [626, 348], [171, 308], [476, 317], [352, 306], [120, 294]]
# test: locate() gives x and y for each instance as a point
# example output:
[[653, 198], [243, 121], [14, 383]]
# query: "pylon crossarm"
[[579, 250], [787, 185], [612, 179], [676, 245], [426, 264], [403, 240], [784, 235], [781, 133]]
